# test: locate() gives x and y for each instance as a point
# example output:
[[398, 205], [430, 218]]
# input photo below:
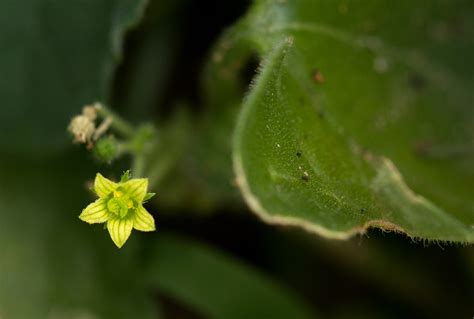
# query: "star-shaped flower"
[[120, 205]]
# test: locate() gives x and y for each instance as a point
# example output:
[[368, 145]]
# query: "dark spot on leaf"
[[305, 176], [298, 153], [317, 76], [367, 155], [423, 147], [362, 210], [417, 82]]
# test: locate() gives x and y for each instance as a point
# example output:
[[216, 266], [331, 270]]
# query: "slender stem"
[[160, 169], [138, 166], [118, 123], [165, 159]]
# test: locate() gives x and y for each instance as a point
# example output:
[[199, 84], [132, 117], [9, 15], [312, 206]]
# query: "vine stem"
[[118, 123], [158, 171], [138, 166]]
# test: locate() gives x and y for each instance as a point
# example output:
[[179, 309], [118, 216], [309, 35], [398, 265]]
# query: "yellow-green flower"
[[120, 205]]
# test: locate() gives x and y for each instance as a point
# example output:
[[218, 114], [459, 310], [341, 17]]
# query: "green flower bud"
[[106, 149]]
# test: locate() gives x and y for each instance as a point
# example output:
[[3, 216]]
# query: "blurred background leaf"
[[53, 265], [218, 286], [56, 57]]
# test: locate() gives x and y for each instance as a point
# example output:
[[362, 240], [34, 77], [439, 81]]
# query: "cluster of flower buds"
[[82, 126], [85, 131]]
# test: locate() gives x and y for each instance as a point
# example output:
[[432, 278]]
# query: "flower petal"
[[136, 188], [103, 186], [120, 230], [142, 220], [96, 212]]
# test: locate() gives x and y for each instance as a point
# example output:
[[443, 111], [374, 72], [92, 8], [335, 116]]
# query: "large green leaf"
[[361, 116], [216, 285], [55, 57]]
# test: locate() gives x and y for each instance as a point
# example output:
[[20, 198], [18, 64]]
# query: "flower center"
[[120, 204]]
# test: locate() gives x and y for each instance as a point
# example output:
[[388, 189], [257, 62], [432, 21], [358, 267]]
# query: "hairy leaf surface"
[[361, 116]]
